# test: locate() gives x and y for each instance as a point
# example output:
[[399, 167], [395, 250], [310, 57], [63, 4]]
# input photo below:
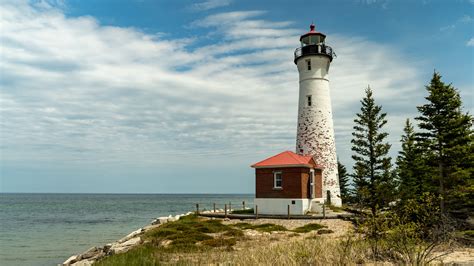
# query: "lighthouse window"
[[308, 64], [277, 180], [309, 100]]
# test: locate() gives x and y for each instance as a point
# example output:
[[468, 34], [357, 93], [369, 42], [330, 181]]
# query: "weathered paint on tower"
[[315, 132]]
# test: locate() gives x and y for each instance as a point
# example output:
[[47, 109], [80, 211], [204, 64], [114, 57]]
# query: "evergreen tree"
[[448, 137], [411, 166], [343, 181], [373, 179]]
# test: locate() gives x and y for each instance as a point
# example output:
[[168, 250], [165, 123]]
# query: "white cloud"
[[74, 90], [466, 19], [462, 20], [470, 42], [211, 4]]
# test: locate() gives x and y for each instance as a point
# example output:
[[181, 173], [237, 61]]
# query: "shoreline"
[[338, 230], [122, 245]]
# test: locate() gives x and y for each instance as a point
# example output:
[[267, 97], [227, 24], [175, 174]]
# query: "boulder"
[[107, 247], [131, 235], [125, 246], [83, 263], [92, 252], [163, 220], [71, 260], [172, 219]]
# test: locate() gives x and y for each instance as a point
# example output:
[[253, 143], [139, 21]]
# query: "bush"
[[408, 234]]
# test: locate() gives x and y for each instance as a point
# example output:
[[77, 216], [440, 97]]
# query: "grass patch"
[[243, 225], [234, 233], [246, 211], [185, 233], [269, 227], [261, 227], [308, 228], [141, 255]]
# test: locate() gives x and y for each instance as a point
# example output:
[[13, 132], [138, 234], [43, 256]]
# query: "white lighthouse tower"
[[315, 133]]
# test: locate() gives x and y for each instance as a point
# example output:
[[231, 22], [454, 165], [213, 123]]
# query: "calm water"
[[45, 229]]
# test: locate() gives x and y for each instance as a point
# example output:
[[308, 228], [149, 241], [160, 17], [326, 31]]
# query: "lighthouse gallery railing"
[[314, 49]]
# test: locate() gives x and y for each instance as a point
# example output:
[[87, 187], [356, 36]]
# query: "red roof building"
[[286, 159], [287, 180]]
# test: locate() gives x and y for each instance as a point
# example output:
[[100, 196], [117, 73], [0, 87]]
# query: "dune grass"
[[261, 227], [192, 238], [308, 228]]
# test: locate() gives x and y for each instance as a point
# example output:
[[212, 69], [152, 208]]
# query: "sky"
[[174, 96]]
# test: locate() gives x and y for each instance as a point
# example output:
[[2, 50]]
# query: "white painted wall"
[[280, 206], [315, 133]]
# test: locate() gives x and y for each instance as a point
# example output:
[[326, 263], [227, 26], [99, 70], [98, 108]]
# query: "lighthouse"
[[299, 183], [315, 130]]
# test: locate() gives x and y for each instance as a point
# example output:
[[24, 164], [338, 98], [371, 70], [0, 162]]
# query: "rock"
[[71, 260], [134, 233], [325, 231], [155, 222], [92, 252], [125, 246], [172, 219], [107, 247], [83, 263], [226, 219], [163, 220]]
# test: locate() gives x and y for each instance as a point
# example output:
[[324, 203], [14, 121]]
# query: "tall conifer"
[[447, 135], [372, 176], [343, 181], [411, 170]]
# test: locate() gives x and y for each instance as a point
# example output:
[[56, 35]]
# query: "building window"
[[308, 64], [309, 100], [277, 180]]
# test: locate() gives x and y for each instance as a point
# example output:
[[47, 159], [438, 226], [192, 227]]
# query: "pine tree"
[[343, 181], [447, 135], [411, 166], [373, 179]]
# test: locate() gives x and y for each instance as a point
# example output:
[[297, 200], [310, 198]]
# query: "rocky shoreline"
[[120, 246]]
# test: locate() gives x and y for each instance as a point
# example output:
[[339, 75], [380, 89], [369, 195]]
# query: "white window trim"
[[275, 179]]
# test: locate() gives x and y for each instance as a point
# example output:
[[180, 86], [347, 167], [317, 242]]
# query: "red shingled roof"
[[287, 159]]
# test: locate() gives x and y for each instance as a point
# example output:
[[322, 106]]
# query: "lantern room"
[[312, 37], [313, 43]]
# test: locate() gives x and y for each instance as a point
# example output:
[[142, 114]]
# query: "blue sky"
[[182, 96]]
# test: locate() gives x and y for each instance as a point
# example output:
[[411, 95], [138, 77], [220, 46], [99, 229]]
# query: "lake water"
[[45, 229]]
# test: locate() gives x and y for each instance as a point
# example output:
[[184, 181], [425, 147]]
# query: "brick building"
[[287, 179]]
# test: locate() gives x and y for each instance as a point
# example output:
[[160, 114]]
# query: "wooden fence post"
[[324, 211], [197, 208], [256, 211], [214, 207], [225, 210], [288, 211], [243, 205]]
